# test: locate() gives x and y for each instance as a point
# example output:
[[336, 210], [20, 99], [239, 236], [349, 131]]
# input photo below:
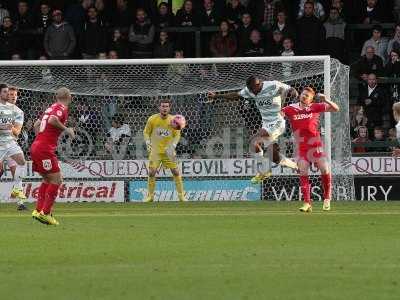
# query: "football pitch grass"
[[264, 250]]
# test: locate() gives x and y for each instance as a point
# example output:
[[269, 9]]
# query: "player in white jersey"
[[269, 97], [11, 121], [396, 115]]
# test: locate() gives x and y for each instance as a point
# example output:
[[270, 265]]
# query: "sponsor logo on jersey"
[[302, 116], [265, 102], [163, 132]]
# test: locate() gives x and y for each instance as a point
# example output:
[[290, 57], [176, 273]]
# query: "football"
[[178, 122]]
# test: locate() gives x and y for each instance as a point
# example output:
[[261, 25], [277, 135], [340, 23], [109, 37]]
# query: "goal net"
[[114, 98]]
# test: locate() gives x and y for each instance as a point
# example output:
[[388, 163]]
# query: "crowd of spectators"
[[89, 29]]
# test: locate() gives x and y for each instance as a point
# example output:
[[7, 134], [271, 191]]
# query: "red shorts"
[[310, 154], [44, 160]]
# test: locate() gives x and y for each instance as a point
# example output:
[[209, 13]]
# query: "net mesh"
[[216, 131]]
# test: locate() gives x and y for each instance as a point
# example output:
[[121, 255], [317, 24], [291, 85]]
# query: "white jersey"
[[268, 100], [10, 114]]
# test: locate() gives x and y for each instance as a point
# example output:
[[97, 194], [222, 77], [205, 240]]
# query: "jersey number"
[[43, 124]]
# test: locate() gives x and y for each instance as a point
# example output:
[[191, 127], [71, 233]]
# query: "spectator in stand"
[[223, 43], [394, 43], [368, 63], [263, 11], [112, 54], [392, 138], [358, 119], [59, 39], [94, 36], [87, 118], [274, 47], [16, 56], [118, 136], [319, 11], [244, 30], [122, 17], [362, 138], [283, 26], [234, 12], [141, 35], [25, 24], [339, 6], [186, 17], [310, 32], [103, 12], [8, 39], [379, 136], [102, 55], [379, 43], [163, 48], [392, 68], [287, 50], [164, 18], [3, 12], [370, 13], [335, 28], [373, 99], [256, 47], [76, 15], [119, 44], [209, 15], [42, 21]]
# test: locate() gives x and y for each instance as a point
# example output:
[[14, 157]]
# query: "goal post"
[[214, 150]]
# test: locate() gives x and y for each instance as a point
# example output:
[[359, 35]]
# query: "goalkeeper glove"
[[171, 151], [148, 145]]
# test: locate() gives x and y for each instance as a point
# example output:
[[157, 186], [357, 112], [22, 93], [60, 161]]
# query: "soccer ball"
[[178, 122]]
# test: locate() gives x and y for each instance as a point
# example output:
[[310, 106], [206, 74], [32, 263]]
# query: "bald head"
[[63, 95]]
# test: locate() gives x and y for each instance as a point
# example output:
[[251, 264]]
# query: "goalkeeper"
[[161, 140]]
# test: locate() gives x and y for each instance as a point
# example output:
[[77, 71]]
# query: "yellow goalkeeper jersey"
[[160, 133]]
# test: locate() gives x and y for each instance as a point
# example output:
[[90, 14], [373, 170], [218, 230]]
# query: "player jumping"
[[11, 121], [304, 120], [44, 159], [269, 97], [161, 140]]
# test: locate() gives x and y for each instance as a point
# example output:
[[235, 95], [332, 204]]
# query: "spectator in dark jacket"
[[76, 15], [223, 43], [59, 40], [234, 12], [373, 98], [244, 30], [392, 68], [274, 46], [163, 48], [186, 17], [141, 35], [119, 44], [368, 63], [335, 35], [122, 17], [25, 24], [310, 32], [164, 18], [103, 12], [255, 47], [263, 12], [8, 39], [283, 26], [369, 13], [209, 15], [94, 36]]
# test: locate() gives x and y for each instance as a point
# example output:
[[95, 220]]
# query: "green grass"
[[202, 251]]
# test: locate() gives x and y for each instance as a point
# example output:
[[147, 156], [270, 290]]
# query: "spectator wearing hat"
[[379, 43], [310, 33], [59, 40]]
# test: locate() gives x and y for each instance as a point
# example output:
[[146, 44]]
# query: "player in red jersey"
[[45, 162], [304, 120]]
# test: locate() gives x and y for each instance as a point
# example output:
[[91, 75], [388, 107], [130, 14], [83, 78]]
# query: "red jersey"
[[305, 123], [48, 135]]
